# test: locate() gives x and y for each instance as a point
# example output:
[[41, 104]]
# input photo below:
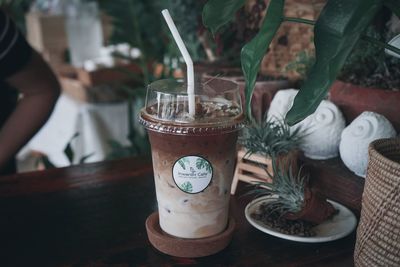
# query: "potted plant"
[[270, 138], [236, 33], [368, 81], [291, 200], [334, 40], [260, 144]]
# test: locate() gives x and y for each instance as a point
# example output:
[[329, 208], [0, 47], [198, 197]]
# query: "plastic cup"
[[193, 158]]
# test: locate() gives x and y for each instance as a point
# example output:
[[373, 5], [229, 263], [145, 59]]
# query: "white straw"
[[186, 57]]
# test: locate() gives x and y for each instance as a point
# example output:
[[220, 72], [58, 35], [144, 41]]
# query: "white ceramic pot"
[[322, 131], [367, 127], [281, 103]]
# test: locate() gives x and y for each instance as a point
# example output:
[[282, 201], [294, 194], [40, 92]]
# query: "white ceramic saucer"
[[338, 227]]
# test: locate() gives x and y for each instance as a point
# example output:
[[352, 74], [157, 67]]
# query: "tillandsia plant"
[[286, 188], [336, 31], [270, 138], [292, 196]]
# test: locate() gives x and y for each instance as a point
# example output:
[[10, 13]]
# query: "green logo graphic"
[[202, 163], [183, 162], [192, 174], [187, 187]]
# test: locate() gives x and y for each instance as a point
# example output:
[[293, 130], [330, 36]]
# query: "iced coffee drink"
[[193, 156]]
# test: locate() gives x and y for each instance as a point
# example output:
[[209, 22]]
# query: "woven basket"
[[378, 233]]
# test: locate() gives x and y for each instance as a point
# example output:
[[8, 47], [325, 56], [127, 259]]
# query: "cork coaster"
[[188, 248]]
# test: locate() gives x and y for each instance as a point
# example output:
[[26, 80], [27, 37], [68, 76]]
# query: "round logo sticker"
[[192, 174]]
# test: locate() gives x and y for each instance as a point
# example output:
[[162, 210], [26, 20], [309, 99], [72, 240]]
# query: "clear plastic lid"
[[217, 101]]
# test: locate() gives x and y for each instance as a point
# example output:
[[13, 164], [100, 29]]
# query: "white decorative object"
[[356, 138], [322, 131], [281, 103]]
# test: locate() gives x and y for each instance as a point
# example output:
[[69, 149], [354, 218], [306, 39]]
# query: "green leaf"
[[208, 168], [115, 144], [336, 32], [187, 187], [84, 158], [217, 13], [202, 163], [254, 51], [182, 163], [68, 149], [393, 5]]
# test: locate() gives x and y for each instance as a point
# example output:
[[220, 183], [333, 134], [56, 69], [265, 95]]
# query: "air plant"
[[287, 189], [292, 196], [270, 138]]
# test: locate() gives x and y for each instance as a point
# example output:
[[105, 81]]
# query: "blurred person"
[[28, 92]]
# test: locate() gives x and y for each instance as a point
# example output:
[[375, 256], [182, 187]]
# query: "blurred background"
[[106, 52]]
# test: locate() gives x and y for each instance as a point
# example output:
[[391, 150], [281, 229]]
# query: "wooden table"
[[94, 214]]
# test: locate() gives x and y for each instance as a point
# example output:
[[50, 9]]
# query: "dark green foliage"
[[217, 13], [270, 138], [286, 186], [254, 51], [235, 28], [371, 67], [84, 158], [138, 140], [187, 17], [393, 5], [68, 152], [365, 66], [337, 30], [138, 148], [301, 64], [139, 23], [68, 149], [17, 9]]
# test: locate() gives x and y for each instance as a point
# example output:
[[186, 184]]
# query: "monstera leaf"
[[253, 52], [337, 30], [217, 13]]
